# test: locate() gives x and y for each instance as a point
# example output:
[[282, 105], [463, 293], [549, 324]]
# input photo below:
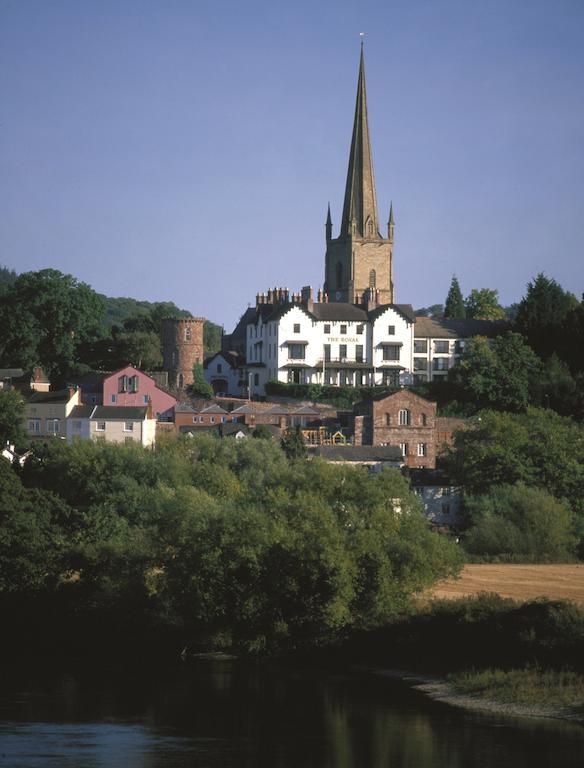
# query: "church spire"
[[360, 206], [329, 224]]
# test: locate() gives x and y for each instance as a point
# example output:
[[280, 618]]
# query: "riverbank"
[[481, 698]]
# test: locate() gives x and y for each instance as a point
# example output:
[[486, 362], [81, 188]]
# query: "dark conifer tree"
[[454, 307]]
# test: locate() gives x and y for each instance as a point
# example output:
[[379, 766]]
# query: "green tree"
[[262, 432], [293, 443], [497, 374], [44, 317], [516, 521], [200, 386], [542, 313], [141, 348], [11, 417], [454, 308], [483, 304]]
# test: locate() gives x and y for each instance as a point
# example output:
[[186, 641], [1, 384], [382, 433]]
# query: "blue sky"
[[186, 150]]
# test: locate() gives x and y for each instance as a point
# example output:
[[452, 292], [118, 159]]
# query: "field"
[[521, 582]]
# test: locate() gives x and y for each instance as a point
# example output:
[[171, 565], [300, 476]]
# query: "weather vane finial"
[[362, 35]]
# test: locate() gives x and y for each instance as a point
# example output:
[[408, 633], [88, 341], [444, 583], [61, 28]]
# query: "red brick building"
[[402, 419]]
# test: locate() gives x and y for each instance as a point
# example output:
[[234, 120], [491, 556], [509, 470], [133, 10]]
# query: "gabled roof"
[[119, 413], [82, 411], [405, 310], [59, 396], [214, 408], [360, 453], [429, 327], [184, 408]]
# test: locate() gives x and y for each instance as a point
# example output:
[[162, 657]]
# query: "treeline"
[[55, 321], [222, 543]]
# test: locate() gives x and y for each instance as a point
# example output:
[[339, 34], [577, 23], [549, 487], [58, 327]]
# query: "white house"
[[114, 424]]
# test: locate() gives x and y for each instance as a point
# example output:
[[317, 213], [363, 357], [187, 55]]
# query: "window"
[[219, 368], [114, 398], [343, 351], [424, 420], [387, 420], [188, 335], [34, 425], [404, 418], [123, 384], [359, 353], [422, 449], [223, 419], [343, 329], [327, 328], [420, 364], [459, 346], [403, 448], [391, 330], [327, 353], [420, 346], [100, 426], [146, 399], [440, 363], [296, 327], [180, 381], [391, 352], [372, 279], [256, 379], [133, 383], [128, 426], [201, 419], [76, 426], [53, 426], [441, 347], [212, 419], [296, 351], [360, 329], [194, 419], [390, 378]]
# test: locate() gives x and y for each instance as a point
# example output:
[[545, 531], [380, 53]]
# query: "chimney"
[[307, 300]]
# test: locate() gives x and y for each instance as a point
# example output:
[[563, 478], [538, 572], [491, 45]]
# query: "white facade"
[[224, 377]]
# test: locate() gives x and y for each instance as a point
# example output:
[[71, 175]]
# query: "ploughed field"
[[521, 582]]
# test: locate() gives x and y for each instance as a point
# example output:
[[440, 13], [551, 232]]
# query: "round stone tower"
[[182, 347]]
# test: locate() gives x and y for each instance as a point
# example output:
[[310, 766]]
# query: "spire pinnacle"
[[391, 221], [360, 205]]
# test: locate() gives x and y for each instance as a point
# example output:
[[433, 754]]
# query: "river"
[[212, 714]]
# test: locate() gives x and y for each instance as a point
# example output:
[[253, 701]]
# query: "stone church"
[[352, 332]]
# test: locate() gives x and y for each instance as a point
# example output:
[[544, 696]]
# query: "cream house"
[[46, 412], [115, 424]]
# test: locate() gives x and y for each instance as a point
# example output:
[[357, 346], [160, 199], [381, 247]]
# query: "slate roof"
[[82, 412], [184, 408], [429, 327], [406, 310], [119, 412], [360, 453], [214, 408], [59, 396]]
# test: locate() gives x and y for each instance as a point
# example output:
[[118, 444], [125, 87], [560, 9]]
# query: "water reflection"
[[236, 714]]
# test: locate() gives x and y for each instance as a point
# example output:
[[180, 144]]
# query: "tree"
[[141, 348], [44, 317], [200, 387], [519, 522], [483, 304], [11, 417], [496, 375], [262, 432], [542, 312], [434, 310], [454, 308], [293, 444]]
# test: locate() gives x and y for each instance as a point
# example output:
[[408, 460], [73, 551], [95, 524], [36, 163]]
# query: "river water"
[[220, 713]]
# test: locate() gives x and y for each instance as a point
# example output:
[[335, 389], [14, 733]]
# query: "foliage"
[[340, 397], [434, 310], [7, 279], [495, 374], [293, 444], [483, 304], [44, 317], [542, 313], [262, 432], [454, 308], [227, 542], [141, 348], [11, 417], [200, 387], [515, 521]]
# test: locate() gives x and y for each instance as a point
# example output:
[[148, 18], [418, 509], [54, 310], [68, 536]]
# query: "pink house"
[[129, 386]]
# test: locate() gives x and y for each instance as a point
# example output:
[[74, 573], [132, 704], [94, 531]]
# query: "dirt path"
[[521, 582]]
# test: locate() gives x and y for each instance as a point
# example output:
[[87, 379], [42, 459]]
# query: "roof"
[[82, 411], [360, 453], [429, 327], [120, 412], [59, 396], [184, 408], [11, 373], [214, 408], [406, 310], [427, 477]]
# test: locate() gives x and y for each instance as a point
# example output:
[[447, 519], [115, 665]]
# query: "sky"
[[186, 150]]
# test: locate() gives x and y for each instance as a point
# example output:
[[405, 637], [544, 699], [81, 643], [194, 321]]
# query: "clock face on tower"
[[338, 295]]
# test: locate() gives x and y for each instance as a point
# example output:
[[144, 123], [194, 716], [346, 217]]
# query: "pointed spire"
[[360, 206], [391, 221], [328, 216], [329, 224]]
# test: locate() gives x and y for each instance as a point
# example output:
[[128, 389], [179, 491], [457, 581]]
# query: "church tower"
[[359, 262]]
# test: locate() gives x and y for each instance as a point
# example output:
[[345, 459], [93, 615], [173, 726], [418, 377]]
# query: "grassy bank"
[[556, 691]]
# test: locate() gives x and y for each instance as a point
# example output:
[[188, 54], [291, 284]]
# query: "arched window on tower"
[[372, 279], [181, 381], [188, 333], [339, 275], [369, 227]]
